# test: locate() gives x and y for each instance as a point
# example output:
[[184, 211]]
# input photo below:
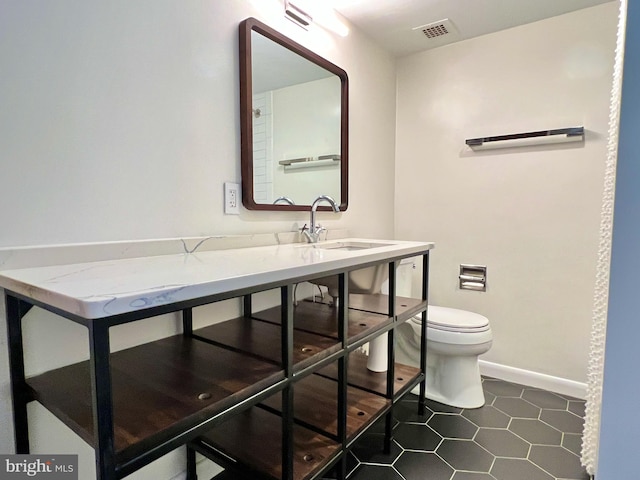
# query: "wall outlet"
[[231, 198]]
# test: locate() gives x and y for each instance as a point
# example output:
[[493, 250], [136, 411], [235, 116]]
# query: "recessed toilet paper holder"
[[473, 277]]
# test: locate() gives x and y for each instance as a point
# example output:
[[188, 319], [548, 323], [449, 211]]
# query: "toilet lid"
[[452, 319]]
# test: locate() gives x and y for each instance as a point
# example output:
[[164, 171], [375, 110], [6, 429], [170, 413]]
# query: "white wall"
[[311, 106], [620, 425], [120, 121], [530, 215]]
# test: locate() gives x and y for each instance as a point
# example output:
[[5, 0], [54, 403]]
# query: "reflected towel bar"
[[542, 137], [307, 162]]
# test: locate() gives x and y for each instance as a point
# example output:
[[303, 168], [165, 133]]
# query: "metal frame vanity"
[[281, 393]]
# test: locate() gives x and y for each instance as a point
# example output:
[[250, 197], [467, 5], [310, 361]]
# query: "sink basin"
[[350, 245], [365, 280]]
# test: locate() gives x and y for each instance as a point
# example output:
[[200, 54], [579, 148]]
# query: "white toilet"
[[455, 339]]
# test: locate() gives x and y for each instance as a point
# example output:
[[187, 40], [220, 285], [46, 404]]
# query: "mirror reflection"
[[296, 113]]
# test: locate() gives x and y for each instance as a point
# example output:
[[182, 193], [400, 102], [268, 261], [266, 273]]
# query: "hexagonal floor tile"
[[472, 476], [375, 472], [437, 407], [370, 448], [352, 463], [572, 442], [487, 416], [512, 469], [563, 420], [516, 407], [379, 426], [577, 407], [534, 431], [488, 398], [544, 399], [417, 437], [465, 455], [501, 388], [419, 466], [407, 411], [502, 443], [557, 461], [452, 426]]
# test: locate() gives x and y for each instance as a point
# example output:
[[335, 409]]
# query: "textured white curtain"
[[601, 296]]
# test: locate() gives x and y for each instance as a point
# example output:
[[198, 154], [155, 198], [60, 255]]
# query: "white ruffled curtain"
[[591, 432]]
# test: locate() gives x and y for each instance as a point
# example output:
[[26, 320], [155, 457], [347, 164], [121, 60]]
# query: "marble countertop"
[[100, 289]]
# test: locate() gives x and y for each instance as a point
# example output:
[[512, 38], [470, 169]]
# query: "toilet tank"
[[404, 278]]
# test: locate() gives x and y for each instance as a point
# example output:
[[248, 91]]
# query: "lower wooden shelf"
[[253, 439], [316, 406], [359, 376], [157, 390]]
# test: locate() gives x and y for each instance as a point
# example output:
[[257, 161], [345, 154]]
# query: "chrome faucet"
[[313, 232], [285, 200]]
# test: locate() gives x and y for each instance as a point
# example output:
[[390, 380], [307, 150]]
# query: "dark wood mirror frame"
[[246, 122]]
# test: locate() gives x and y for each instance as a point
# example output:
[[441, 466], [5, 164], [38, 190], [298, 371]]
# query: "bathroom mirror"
[[293, 122]]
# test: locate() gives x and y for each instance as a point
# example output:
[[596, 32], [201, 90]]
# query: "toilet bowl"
[[455, 339]]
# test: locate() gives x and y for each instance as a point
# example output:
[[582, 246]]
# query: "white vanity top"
[[99, 289]]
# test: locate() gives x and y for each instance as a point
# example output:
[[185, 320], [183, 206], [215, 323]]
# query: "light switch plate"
[[231, 198]]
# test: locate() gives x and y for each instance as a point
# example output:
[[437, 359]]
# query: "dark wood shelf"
[[262, 339], [406, 307], [156, 388], [322, 319], [253, 439], [359, 376], [316, 405]]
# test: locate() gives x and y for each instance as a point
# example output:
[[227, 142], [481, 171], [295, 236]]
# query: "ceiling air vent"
[[437, 29]]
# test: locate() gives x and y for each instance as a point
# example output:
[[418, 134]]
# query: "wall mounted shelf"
[[541, 137]]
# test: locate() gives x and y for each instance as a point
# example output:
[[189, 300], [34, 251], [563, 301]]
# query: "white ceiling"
[[390, 22]]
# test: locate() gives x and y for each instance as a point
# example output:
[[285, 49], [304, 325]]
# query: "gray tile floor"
[[522, 433]]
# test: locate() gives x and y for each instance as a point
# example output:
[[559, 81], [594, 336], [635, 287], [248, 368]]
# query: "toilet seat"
[[453, 320]]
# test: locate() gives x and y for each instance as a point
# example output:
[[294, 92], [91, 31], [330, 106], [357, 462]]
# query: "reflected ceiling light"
[[297, 15], [305, 12]]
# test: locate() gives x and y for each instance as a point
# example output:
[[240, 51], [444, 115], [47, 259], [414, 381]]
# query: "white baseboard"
[[534, 379]]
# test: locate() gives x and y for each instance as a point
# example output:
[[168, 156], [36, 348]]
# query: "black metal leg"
[[187, 322], [423, 330], [247, 306], [391, 363], [388, 431], [192, 473], [287, 394], [15, 311], [343, 365], [388, 428], [102, 400]]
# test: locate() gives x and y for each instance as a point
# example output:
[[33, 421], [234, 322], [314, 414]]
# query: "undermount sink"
[[365, 280], [350, 245]]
